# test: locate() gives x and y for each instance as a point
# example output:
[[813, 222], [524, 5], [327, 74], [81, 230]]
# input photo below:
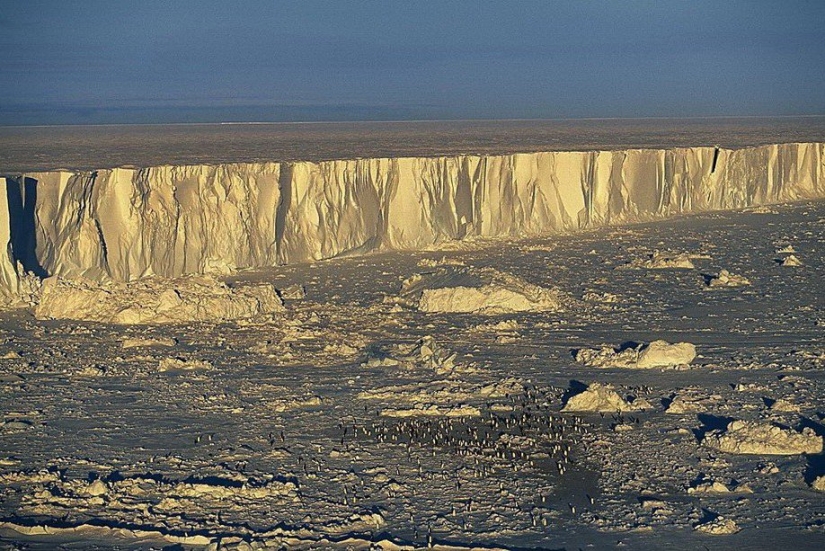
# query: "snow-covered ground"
[[355, 416]]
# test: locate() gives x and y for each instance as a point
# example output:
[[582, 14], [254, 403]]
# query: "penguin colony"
[[555, 436], [531, 435]]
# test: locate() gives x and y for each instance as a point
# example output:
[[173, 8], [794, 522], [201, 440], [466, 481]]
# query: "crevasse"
[[125, 223]]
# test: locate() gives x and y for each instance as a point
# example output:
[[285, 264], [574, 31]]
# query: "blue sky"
[[203, 61]]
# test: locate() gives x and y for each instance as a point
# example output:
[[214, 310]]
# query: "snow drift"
[[123, 224]]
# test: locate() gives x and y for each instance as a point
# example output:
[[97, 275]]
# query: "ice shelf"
[[123, 224]]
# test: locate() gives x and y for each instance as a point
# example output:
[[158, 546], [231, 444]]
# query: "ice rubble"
[[445, 396], [50, 493], [783, 405], [791, 260], [746, 437], [426, 353], [182, 364], [726, 279], [463, 289], [283, 405], [602, 398], [140, 342], [693, 400], [432, 410], [716, 488], [129, 223], [656, 354], [662, 261], [153, 300], [89, 531], [719, 526], [293, 292], [344, 535]]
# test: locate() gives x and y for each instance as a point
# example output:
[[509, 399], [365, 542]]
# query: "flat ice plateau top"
[[123, 224]]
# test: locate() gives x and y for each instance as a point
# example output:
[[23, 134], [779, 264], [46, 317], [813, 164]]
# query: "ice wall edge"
[[125, 223]]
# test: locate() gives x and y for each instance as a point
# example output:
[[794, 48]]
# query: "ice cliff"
[[123, 223]]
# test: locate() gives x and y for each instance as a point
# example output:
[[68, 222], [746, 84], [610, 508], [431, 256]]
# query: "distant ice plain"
[[24, 149]]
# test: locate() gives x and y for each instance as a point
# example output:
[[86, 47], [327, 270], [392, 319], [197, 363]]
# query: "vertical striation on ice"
[[123, 224]]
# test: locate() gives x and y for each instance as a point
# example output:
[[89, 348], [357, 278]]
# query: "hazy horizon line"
[[403, 121]]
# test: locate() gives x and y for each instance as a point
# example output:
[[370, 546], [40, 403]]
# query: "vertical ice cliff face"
[[125, 224], [330, 208], [9, 277]]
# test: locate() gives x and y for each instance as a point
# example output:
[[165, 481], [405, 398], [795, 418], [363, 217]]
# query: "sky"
[[145, 61]]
